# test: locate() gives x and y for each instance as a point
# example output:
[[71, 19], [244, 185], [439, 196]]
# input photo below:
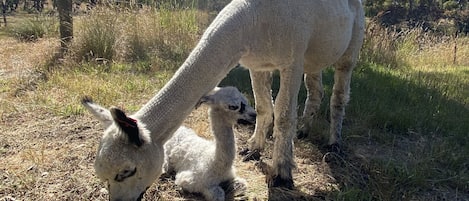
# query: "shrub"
[[380, 45], [97, 37], [30, 30], [159, 38]]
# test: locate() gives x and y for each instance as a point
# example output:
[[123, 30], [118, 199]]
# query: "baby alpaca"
[[200, 164]]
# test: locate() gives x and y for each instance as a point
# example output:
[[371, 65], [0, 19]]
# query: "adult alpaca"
[[201, 165], [295, 37]]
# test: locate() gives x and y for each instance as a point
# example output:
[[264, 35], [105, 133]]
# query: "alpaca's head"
[[127, 160], [231, 104]]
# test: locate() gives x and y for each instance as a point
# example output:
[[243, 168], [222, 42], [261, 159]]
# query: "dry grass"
[[18, 58]]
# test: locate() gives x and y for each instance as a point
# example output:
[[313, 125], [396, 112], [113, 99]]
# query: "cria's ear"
[[207, 98], [128, 125], [102, 114]]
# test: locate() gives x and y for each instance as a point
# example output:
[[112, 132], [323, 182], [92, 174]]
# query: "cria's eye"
[[125, 174], [233, 107]]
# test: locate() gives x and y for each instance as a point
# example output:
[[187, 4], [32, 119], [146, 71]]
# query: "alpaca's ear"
[[128, 125], [102, 114]]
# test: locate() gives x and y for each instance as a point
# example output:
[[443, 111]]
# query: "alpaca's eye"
[[125, 174], [233, 107]]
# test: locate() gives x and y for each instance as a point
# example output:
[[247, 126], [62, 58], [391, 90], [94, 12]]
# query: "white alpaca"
[[201, 164], [295, 37]]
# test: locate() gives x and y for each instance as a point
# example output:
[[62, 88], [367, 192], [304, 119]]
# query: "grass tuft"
[[29, 30]]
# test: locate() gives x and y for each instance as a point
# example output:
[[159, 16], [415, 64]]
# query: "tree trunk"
[[4, 11], [64, 7]]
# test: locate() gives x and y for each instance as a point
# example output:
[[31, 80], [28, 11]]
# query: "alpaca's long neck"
[[215, 55], [225, 150]]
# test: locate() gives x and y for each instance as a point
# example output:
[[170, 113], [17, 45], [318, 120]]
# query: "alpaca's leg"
[[340, 97], [261, 86], [214, 193], [315, 92], [285, 115], [342, 78]]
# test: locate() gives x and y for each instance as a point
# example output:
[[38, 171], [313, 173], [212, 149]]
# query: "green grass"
[[429, 113], [109, 85]]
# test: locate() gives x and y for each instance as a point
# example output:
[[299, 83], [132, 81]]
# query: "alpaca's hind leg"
[[315, 92], [261, 86], [342, 79], [285, 117], [340, 97]]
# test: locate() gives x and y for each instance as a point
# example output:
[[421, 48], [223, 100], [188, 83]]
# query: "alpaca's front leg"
[[262, 90], [285, 115], [315, 92]]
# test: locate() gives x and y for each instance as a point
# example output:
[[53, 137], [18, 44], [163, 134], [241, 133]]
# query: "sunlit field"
[[405, 129]]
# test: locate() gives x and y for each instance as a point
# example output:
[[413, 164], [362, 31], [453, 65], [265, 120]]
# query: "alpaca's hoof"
[[250, 155], [277, 181]]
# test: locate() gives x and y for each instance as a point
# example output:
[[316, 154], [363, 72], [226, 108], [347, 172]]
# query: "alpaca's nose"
[[253, 115]]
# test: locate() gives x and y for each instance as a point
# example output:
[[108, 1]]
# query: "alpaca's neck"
[[225, 150], [215, 55]]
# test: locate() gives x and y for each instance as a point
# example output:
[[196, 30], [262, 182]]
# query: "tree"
[[4, 10], [64, 7]]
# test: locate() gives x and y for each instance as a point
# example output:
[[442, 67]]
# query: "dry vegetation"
[[48, 142]]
